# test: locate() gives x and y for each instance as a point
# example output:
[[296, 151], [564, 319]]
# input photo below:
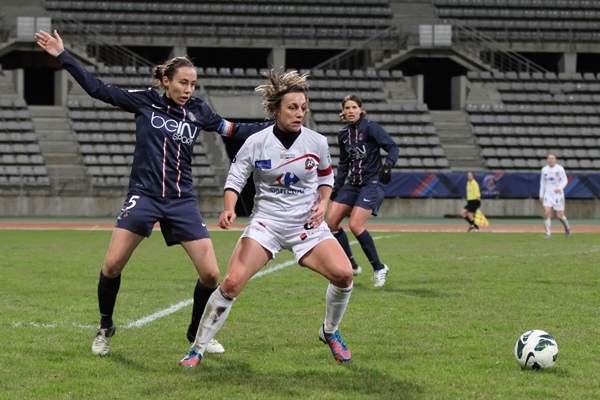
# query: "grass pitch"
[[443, 327]]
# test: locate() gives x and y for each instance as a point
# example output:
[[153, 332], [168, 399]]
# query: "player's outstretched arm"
[[52, 44]]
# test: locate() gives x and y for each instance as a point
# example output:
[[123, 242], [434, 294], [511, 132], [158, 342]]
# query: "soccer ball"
[[536, 349]]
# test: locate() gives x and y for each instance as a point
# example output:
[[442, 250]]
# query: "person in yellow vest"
[[473, 203]]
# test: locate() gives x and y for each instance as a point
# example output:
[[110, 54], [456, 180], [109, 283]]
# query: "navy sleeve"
[[96, 88], [386, 142], [243, 130], [237, 130], [342, 167]]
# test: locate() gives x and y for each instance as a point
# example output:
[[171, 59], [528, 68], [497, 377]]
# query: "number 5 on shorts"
[[132, 202]]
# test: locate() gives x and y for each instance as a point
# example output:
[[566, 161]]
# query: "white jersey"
[[286, 180], [552, 178]]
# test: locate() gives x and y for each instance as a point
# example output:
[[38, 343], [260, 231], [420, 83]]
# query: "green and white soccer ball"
[[536, 349]]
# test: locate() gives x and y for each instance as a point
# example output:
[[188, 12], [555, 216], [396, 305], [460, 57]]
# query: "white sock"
[[565, 222], [548, 224], [214, 316], [336, 301]]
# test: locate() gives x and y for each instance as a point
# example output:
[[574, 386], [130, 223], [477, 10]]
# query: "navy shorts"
[[180, 220], [369, 197]]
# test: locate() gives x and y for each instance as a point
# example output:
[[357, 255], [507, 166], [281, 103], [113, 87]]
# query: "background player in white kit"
[[293, 178], [552, 184]]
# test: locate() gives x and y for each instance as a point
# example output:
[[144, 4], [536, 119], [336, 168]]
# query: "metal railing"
[[97, 45], [497, 55], [362, 55]]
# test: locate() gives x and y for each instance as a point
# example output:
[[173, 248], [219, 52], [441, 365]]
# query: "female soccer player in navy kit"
[[160, 184], [360, 161], [292, 175]]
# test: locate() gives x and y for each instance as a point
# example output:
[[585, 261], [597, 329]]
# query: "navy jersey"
[[360, 160], [165, 132]]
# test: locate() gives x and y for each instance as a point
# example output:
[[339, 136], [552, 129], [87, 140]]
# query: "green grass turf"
[[443, 327]]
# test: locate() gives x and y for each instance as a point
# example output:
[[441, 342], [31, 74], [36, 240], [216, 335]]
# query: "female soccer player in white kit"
[[293, 178], [552, 184]]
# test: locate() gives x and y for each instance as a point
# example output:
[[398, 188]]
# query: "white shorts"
[[277, 235], [555, 200]]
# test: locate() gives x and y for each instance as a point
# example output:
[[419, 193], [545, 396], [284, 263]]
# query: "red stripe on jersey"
[[300, 158], [325, 172], [178, 170], [164, 167]]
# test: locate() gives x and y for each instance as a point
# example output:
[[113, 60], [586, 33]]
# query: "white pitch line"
[[480, 257], [159, 314], [176, 307]]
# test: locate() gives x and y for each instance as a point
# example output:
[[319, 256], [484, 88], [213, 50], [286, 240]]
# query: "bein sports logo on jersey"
[[357, 153], [287, 179], [182, 131]]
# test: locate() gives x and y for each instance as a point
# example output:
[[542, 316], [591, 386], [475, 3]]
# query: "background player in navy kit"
[[360, 161], [293, 179], [160, 184]]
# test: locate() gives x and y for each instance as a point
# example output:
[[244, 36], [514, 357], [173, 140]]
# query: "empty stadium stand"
[[239, 19], [21, 163], [538, 113], [527, 20]]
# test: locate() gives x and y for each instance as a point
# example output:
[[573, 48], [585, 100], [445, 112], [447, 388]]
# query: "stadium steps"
[[60, 150], [457, 140]]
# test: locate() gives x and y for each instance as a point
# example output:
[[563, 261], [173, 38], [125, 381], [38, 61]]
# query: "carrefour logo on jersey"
[[182, 131], [288, 179]]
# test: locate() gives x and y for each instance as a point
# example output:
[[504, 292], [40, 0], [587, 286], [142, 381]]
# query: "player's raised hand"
[[52, 44], [226, 219]]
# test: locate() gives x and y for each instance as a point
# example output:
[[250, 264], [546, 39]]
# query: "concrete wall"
[[50, 206]]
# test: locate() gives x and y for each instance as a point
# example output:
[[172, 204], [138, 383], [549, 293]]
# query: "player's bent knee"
[[210, 279], [231, 287], [355, 228], [343, 281], [112, 268], [342, 277]]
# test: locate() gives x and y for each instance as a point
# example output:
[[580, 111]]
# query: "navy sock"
[[368, 246], [201, 296], [108, 288], [470, 221], [342, 238]]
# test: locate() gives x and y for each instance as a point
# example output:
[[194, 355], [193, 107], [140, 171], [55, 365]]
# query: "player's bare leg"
[[202, 254], [121, 247], [327, 258], [547, 221], [564, 221], [336, 213], [247, 259]]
